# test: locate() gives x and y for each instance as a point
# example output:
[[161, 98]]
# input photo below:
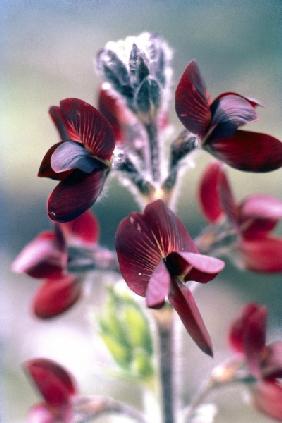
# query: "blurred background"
[[48, 49]]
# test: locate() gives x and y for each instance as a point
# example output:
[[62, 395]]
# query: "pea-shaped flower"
[[217, 123], [158, 258], [80, 161], [248, 337], [56, 386]]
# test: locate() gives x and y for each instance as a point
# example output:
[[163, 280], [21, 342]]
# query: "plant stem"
[[223, 375], [82, 260], [91, 408], [165, 340], [206, 388], [152, 134]]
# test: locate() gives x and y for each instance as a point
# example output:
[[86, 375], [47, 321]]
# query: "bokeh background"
[[47, 50]]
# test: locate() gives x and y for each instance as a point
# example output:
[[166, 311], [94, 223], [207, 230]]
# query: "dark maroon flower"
[[46, 258], [80, 161], [157, 257], [253, 219], [248, 337], [217, 125], [56, 386], [43, 257]]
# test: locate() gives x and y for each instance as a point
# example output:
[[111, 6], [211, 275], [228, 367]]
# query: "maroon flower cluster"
[[157, 257]]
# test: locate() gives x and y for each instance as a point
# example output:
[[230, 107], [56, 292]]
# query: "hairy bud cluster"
[[138, 68]]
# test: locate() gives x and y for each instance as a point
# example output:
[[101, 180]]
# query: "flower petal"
[[259, 214], [229, 112], [268, 399], [184, 304], [75, 195], [43, 257], [261, 206], [78, 121], [143, 240], [112, 109], [262, 254], [227, 199], [201, 268], [238, 327], [55, 296], [191, 102], [208, 192], [45, 169], [248, 151], [256, 228], [55, 383], [254, 337], [272, 362], [158, 286], [82, 230], [70, 155], [253, 101]]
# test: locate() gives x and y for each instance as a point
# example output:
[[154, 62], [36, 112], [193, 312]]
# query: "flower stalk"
[[164, 325], [152, 133], [92, 408]]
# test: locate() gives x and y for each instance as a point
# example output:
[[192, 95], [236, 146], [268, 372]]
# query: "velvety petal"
[[158, 286], [229, 112], [46, 171], [259, 215], [112, 109], [75, 195], [78, 121], [70, 155], [268, 399], [238, 326], [262, 254], [55, 383], [55, 296], [143, 240], [227, 199], [201, 268], [208, 192], [83, 230], [272, 361], [184, 304], [264, 206], [254, 339], [191, 102], [248, 151], [43, 257], [253, 101], [168, 231], [256, 228]]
